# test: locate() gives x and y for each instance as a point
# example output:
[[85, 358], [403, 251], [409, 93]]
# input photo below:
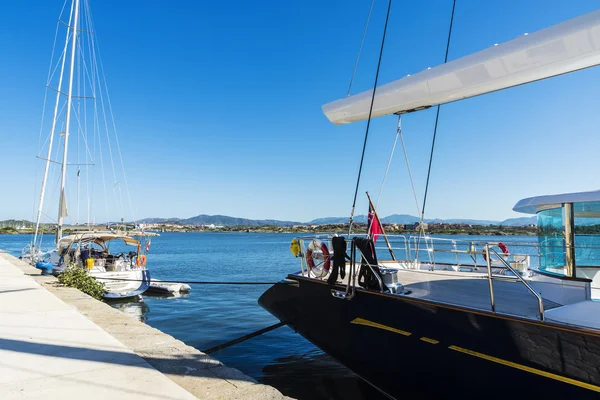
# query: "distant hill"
[[337, 220], [520, 221], [400, 219], [411, 219], [483, 222], [12, 223], [224, 220], [218, 220], [160, 221]]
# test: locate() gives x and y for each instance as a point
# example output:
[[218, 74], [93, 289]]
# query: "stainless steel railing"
[[435, 251], [356, 258], [518, 277]]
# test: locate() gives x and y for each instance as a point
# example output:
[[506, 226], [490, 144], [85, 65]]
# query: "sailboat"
[[82, 109], [444, 317]]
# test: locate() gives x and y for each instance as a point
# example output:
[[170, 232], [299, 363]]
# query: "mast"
[[49, 154], [62, 202]]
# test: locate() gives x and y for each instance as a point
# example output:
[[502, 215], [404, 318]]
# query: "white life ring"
[[318, 251]]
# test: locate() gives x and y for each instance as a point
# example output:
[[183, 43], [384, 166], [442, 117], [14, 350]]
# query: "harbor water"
[[213, 314]]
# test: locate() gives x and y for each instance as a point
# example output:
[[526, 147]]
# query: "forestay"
[[566, 47]]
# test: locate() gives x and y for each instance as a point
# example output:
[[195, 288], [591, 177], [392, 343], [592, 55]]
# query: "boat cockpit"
[[90, 250], [556, 277]]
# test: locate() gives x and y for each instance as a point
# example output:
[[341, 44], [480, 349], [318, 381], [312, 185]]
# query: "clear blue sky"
[[218, 107]]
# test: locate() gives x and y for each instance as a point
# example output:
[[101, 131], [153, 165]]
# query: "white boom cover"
[[566, 47]]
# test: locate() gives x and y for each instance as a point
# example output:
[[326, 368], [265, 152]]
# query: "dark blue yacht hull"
[[406, 346]]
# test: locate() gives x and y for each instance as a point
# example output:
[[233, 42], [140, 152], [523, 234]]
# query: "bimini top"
[[587, 204], [566, 47], [96, 237]]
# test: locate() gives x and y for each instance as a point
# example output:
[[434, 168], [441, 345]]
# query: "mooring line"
[[245, 337], [200, 282]]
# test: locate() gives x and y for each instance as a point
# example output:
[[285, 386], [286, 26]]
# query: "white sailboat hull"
[[134, 283]]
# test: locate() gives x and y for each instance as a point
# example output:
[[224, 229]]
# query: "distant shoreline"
[[392, 229]]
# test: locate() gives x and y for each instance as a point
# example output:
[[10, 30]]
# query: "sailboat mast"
[[62, 202], [49, 154]]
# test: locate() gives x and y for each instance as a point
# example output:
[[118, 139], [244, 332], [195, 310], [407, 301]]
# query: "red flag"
[[148, 245], [373, 225]]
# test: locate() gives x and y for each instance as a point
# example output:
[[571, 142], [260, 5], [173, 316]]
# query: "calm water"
[[213, 314]]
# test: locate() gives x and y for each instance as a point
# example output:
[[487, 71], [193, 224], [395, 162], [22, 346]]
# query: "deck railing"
[[500, 266], [518, 277]]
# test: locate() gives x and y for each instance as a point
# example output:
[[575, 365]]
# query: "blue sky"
[[218, 108]]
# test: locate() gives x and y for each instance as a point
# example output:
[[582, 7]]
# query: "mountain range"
[[223, 220]]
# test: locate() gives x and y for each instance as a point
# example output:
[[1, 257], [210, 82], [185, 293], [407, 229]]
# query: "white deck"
[[472, 290], [469, 289], [585, 313]]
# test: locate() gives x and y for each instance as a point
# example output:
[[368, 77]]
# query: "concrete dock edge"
[[200, 374]]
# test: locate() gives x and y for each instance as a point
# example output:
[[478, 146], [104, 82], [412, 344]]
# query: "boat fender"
[[317, 244], [141, 260], [295, 247], [471, 249]]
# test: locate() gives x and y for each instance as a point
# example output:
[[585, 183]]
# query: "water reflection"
[[161, 296], [136, 308], [315, 375]]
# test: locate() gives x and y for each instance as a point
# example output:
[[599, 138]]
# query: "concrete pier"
[[59, 343]]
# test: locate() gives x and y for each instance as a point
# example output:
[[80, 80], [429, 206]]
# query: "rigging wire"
[[362, 157], [85, 132], [388, 165], [360, 48], [437, 116], [95, 124], [97, 139], [104, 86], [77, 113], [61, 61], [412, 183], [34, 214]]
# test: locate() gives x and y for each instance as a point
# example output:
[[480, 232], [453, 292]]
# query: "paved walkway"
[[48, 350], [58, 343]]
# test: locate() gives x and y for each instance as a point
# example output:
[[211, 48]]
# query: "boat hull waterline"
[[133, 284], [431, 349]]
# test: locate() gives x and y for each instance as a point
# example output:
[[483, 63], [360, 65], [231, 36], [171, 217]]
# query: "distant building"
[[417, 226]]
